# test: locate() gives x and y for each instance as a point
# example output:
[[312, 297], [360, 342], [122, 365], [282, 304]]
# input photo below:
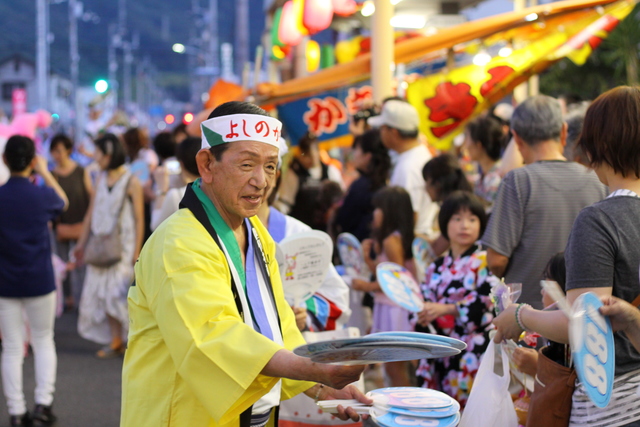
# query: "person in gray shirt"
[[537, 204]]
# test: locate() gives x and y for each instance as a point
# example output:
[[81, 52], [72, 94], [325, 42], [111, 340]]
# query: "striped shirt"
[[622, 192], [533, 215], [623, 409], [260, 420]]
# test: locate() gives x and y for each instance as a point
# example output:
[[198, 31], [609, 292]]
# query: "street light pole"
[[42, 60]]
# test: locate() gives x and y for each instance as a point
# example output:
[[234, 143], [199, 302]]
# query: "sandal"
[[108, 352]]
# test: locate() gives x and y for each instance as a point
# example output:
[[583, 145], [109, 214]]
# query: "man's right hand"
[[285, 364], [339, 376]]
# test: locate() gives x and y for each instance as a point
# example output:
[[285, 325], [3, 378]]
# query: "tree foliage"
[[612, 64]]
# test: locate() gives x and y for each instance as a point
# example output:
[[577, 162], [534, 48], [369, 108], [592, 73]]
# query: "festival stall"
[[451, 76]]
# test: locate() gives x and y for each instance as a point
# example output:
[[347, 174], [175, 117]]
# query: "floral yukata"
[[465, 282]]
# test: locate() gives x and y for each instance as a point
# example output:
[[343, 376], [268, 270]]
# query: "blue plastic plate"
[[427, 413], [411, 398], [422, 336], [389, 419]]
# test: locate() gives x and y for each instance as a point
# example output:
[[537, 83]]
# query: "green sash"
[[223, 230]]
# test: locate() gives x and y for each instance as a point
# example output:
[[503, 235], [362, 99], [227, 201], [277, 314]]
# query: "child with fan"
[[392, 235], [457, 301]]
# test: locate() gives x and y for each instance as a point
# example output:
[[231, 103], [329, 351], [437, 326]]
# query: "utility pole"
[[74, 66], [42, 52], [122, 16], [126, 74], [195, 40], [113, 60], [126, 53], [140, 89], [242, 35], [214, 52]]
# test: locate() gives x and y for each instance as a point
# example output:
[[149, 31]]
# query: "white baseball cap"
[[397, 114], [504, 111]]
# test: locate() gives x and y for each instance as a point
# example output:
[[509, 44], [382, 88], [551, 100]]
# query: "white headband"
[[241, 127]]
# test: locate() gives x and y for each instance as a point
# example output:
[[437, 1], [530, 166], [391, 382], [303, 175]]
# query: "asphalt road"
[[87, 390]]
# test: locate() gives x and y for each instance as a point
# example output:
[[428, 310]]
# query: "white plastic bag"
[[490, 403]]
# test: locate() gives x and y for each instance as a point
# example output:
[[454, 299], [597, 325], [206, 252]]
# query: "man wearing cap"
[[211, 334], [398, 125]]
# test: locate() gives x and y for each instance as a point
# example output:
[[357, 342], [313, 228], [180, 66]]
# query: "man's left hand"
[[349, 392]]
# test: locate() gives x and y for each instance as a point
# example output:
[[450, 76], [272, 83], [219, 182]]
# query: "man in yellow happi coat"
[[210, 333]]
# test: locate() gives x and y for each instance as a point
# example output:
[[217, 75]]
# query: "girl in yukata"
[[457, 301], [392, 235]]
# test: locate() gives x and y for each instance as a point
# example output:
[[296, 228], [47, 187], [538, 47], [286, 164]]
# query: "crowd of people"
[[524, 192]]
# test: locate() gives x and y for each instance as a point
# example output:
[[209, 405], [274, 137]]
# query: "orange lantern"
[[317, 15], [288, 32], [344, 7]]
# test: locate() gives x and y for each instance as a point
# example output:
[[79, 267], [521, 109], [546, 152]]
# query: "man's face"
[[242, 178], [386, 135]]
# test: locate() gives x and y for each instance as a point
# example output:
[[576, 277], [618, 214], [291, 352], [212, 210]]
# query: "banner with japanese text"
[[326, 115]]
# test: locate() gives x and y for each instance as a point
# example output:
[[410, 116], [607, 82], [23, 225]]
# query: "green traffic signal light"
[[101, 86]]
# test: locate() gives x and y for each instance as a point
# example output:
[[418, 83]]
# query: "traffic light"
[[187, 118], [169, 119], [101, 86]]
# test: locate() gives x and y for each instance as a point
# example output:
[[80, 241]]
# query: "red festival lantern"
[[344, 7], [288, 32], [317, 15]]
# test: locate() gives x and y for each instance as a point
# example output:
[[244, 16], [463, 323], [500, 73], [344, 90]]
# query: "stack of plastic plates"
[[404, 406], [381, 347]]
